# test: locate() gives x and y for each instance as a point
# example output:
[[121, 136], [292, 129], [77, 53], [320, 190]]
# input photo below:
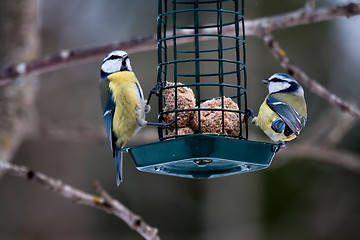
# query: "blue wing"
[[287, 113], [108, 120]]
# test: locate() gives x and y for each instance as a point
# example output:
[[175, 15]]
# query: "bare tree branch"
[[302, 77], [105, 202], [341, 127], [66, 58], [327, 134], [318, 143], [302, 17], [78, 131], [344, 159], [134, 221]]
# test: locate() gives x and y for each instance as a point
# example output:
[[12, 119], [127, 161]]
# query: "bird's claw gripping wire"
[[161, 125], [249, 113], [155, 91]]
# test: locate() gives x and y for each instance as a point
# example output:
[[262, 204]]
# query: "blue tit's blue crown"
[[283, 76], [282, 82]]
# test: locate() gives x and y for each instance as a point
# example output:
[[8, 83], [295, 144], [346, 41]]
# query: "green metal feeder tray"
[[203, 156]]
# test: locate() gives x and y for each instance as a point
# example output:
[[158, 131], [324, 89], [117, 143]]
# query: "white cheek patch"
[[278, 86], [111, 66], [300, 92]]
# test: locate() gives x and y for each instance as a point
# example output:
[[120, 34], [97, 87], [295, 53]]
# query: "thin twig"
[[104, 202], [337, 157], [80, 131], [66, 58], [342, 124], [302, 77], [133, 220], [302, 17], [328, 130]]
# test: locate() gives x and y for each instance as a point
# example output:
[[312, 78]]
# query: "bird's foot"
[[275, 148], [155, 91], [249, 113], [161, 125]]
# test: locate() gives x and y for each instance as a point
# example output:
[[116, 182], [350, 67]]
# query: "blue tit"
[[282, 115], [122, 102]]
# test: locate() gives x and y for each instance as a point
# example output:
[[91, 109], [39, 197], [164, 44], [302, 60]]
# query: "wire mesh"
[[211, 63]]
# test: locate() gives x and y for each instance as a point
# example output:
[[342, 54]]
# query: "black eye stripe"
[[277, 80], [113, 57]]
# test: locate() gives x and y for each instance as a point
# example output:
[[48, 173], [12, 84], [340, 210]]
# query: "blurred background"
[[293, 199]]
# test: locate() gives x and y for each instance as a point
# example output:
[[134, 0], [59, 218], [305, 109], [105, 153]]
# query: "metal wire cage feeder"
[[202, 70]]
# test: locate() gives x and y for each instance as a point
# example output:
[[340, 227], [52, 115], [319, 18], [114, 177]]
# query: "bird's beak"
[[123, 63], [266, 81]]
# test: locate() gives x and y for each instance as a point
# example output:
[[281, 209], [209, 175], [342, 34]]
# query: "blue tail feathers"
[[118, 165]]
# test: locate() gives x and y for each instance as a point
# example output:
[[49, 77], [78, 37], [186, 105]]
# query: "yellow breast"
[[127, 105]]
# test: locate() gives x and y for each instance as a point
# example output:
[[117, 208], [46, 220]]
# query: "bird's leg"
[[155, 90], [142, 123], [161, 125]]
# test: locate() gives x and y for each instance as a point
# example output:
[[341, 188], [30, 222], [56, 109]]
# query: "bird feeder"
[[202, 71]]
